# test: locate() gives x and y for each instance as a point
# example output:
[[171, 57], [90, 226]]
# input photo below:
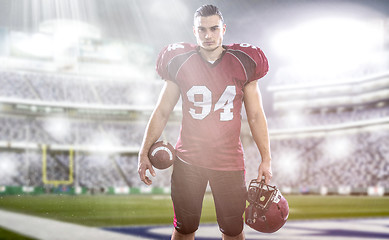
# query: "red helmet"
[[268, 209]]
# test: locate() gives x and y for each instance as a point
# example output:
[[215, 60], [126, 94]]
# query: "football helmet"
[[268, 210]]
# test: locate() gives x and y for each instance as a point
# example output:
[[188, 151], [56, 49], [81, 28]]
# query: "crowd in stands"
[[70, 131], [352, 159], [297, 162], [52, 87], [285, 78], [301, 120], [358, 159]]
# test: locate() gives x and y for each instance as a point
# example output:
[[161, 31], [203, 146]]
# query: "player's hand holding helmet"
[[268, 210]]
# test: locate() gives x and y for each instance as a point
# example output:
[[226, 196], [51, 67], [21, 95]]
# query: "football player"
[[213, 80]]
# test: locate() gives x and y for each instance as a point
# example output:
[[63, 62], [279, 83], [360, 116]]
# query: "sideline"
[[48, 229]]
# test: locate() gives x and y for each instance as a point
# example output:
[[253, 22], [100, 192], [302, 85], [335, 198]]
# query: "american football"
[[162, 154]]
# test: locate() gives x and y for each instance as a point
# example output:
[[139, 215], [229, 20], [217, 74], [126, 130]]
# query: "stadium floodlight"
[[142, 98], [38, 44], [8, 167], [287, 162], [294, 118], [58, 127], [338, 147], [66, 34], [69, 29], [114, 52], [104, 141], [329, 46]]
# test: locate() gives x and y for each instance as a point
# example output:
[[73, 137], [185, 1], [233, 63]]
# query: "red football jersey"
[[212, 96]]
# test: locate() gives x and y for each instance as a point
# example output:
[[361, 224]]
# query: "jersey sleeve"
[[167, 54], [261, 66]]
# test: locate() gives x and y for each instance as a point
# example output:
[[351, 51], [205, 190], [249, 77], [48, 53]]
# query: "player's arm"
[[258, 126], [157, 122]]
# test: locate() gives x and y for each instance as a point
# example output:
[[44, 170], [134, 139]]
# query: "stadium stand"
[[101, 120], [68, 88], [308, 161]]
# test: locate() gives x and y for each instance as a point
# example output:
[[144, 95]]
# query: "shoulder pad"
[[168, 53], [257, 56]]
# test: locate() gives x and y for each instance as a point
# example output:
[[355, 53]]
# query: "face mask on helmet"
[[268, 210]]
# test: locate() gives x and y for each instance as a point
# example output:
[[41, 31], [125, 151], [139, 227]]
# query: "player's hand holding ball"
[[162, 154]]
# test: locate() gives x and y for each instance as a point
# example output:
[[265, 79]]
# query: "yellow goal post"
[[54, 181]]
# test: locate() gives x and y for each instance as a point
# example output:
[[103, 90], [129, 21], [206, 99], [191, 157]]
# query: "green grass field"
[[106, 210]]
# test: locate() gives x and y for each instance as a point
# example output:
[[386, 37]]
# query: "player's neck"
[[211, 55]]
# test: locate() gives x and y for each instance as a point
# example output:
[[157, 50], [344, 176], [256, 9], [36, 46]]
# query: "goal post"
[[57, 182]]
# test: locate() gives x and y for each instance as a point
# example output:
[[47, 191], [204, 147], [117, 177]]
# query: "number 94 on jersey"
[[204, 103]]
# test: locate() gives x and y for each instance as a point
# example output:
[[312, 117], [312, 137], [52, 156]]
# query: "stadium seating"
[[314, 165], [299, 161], [67, 88]]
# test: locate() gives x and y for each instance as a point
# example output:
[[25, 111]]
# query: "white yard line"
[[47, 229]]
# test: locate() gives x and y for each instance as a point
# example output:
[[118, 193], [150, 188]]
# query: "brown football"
[[162, 155]]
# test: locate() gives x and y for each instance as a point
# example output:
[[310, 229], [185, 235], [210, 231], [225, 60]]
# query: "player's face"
[[209, 32]]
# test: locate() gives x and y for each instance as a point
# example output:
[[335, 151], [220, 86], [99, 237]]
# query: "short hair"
[[208, 10]]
